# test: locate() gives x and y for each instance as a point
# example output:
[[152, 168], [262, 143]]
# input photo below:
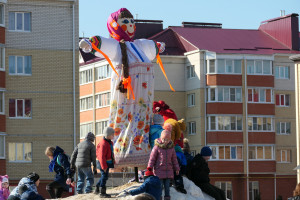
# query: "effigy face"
[[127, 25]]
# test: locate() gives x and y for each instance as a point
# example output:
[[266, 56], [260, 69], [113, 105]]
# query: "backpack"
[[57, 160]]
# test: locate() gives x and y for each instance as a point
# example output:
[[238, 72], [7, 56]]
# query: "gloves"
[[85, 45]]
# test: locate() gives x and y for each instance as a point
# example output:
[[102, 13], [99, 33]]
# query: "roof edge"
[[278, 18]]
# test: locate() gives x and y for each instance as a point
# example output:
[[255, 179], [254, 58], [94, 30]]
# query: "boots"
[[167, 198], [180, 189], [103, 193], [97, 190]]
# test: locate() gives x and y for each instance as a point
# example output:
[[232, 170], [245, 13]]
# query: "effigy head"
[[121, 25]]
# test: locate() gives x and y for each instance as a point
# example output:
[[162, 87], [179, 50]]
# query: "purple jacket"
[[163, 160]]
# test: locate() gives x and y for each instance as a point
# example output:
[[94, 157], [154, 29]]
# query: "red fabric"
[[149, 172], [103, 153], [165, 110]]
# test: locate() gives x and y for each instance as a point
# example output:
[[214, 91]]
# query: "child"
[[4, 190], [105, 155], [151, 186], [156, 128], [164, 161], [187, 151], [182, 163], [27, 194]]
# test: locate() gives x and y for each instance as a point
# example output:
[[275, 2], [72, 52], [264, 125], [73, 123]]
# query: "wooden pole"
[[136, 174]]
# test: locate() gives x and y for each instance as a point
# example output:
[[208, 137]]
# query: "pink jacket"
[[163, 160], [4, 193]]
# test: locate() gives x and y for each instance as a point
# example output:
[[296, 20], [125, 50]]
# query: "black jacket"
[[84, 154], [294, 198], [198, 171]]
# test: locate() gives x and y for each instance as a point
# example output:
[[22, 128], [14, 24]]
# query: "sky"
[[233, 14]]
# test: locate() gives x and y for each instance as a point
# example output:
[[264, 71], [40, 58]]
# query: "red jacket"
[[104, 153]]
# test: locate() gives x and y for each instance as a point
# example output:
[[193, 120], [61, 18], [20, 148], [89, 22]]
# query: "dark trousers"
[[55, 189], [212, 191], [11, 197], [104, 178]]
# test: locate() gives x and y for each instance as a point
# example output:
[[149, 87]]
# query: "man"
[[198, 171], [82, 157]]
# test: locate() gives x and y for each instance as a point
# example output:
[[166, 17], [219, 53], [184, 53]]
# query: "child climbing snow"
[[4, 187]]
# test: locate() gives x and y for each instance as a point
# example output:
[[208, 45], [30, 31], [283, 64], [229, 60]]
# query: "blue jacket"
[[24, 181], [155, 131], [180, 156], [62, 168], [31, 196], [151, 186]]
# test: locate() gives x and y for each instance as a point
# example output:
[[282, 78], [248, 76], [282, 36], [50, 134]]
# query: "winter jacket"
[[180, 155], [294, 198], [84, 154], [198, 171], [62, 167], [155, 132], [163, 160], [4, 192], [151, 186], [31, 196], [188, 158], [24, 181], [105, 153]]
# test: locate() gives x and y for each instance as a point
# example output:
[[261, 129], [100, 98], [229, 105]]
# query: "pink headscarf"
[[114, 28]]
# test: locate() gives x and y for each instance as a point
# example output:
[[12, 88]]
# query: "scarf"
[[52, 163]]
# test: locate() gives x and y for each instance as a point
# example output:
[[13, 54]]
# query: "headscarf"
[[114, 28]]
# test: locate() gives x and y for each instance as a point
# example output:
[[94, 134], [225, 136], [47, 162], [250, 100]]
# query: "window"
[[102, 72], [2, 102], [85, 128], [259, 67], [253, 190], [227, 152], [86, 103], [261, 152], [19, 21], [102, 99], [282, 72], [86, 76], [260, 124], [191, 100], [19, 65], [20, 152], [100, 127], [1, 14], [282, 100], [224, 94], [192, 128], [224, 66], [20, 108], [2, 146], [283, 128], [224, 123], [2, 58], [260, 95], [190, 71], [283, 156], [226, 187]]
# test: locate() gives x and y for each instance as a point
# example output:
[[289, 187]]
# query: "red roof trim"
[[278, 18]]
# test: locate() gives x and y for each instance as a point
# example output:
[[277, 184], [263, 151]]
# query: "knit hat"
[[165, 134], [158, 119], [186, 146], [33, 176], [108, 131], [90, 136], [149, 172], [206, 151], [4, 180]]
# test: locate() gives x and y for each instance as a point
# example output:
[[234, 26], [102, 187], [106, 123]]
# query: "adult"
[[198, 171], [59, 163], [296, 193], [83, 155]]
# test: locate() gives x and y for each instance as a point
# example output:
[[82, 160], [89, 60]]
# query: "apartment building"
[[236, 90], [38, 84]]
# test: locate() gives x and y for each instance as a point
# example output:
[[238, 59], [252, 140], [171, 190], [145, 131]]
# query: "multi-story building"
[[236, 90], [38, 84]]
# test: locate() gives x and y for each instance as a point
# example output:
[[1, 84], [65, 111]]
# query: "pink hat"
[[165, 134]]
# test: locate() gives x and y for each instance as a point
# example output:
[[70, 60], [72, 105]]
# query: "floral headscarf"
[[114, 28]]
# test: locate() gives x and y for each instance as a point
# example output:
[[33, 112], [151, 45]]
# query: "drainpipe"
[[205, 95], [246, 126], [74, 82], [275, 186]]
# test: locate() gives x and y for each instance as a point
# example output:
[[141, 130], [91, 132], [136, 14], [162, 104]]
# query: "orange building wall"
[[226, 166], [224, 137], [222, 79], [260, 81], [2, 124], [2, 35], [102, 113], [86, 89], [86, 116], [103, 85], [261, 109], [224, 108], [261, 137]]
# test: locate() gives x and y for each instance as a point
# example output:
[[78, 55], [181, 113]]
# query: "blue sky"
[[233, 14]]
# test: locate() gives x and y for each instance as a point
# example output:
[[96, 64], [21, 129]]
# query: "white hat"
[[4, 180], [158, 119]]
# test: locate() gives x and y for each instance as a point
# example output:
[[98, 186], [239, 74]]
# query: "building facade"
[[38, 84], [236, 90]]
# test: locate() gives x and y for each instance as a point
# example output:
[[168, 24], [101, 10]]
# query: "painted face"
[[128, 26]]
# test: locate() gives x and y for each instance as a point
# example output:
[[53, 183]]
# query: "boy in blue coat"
[[151, 186], [182, 163], [156, 128]]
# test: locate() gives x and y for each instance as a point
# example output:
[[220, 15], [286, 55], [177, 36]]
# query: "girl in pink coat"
[[164, 161], [4, 190]]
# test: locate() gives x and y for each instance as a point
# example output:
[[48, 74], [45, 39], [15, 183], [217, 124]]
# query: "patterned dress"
[[131, 118]]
